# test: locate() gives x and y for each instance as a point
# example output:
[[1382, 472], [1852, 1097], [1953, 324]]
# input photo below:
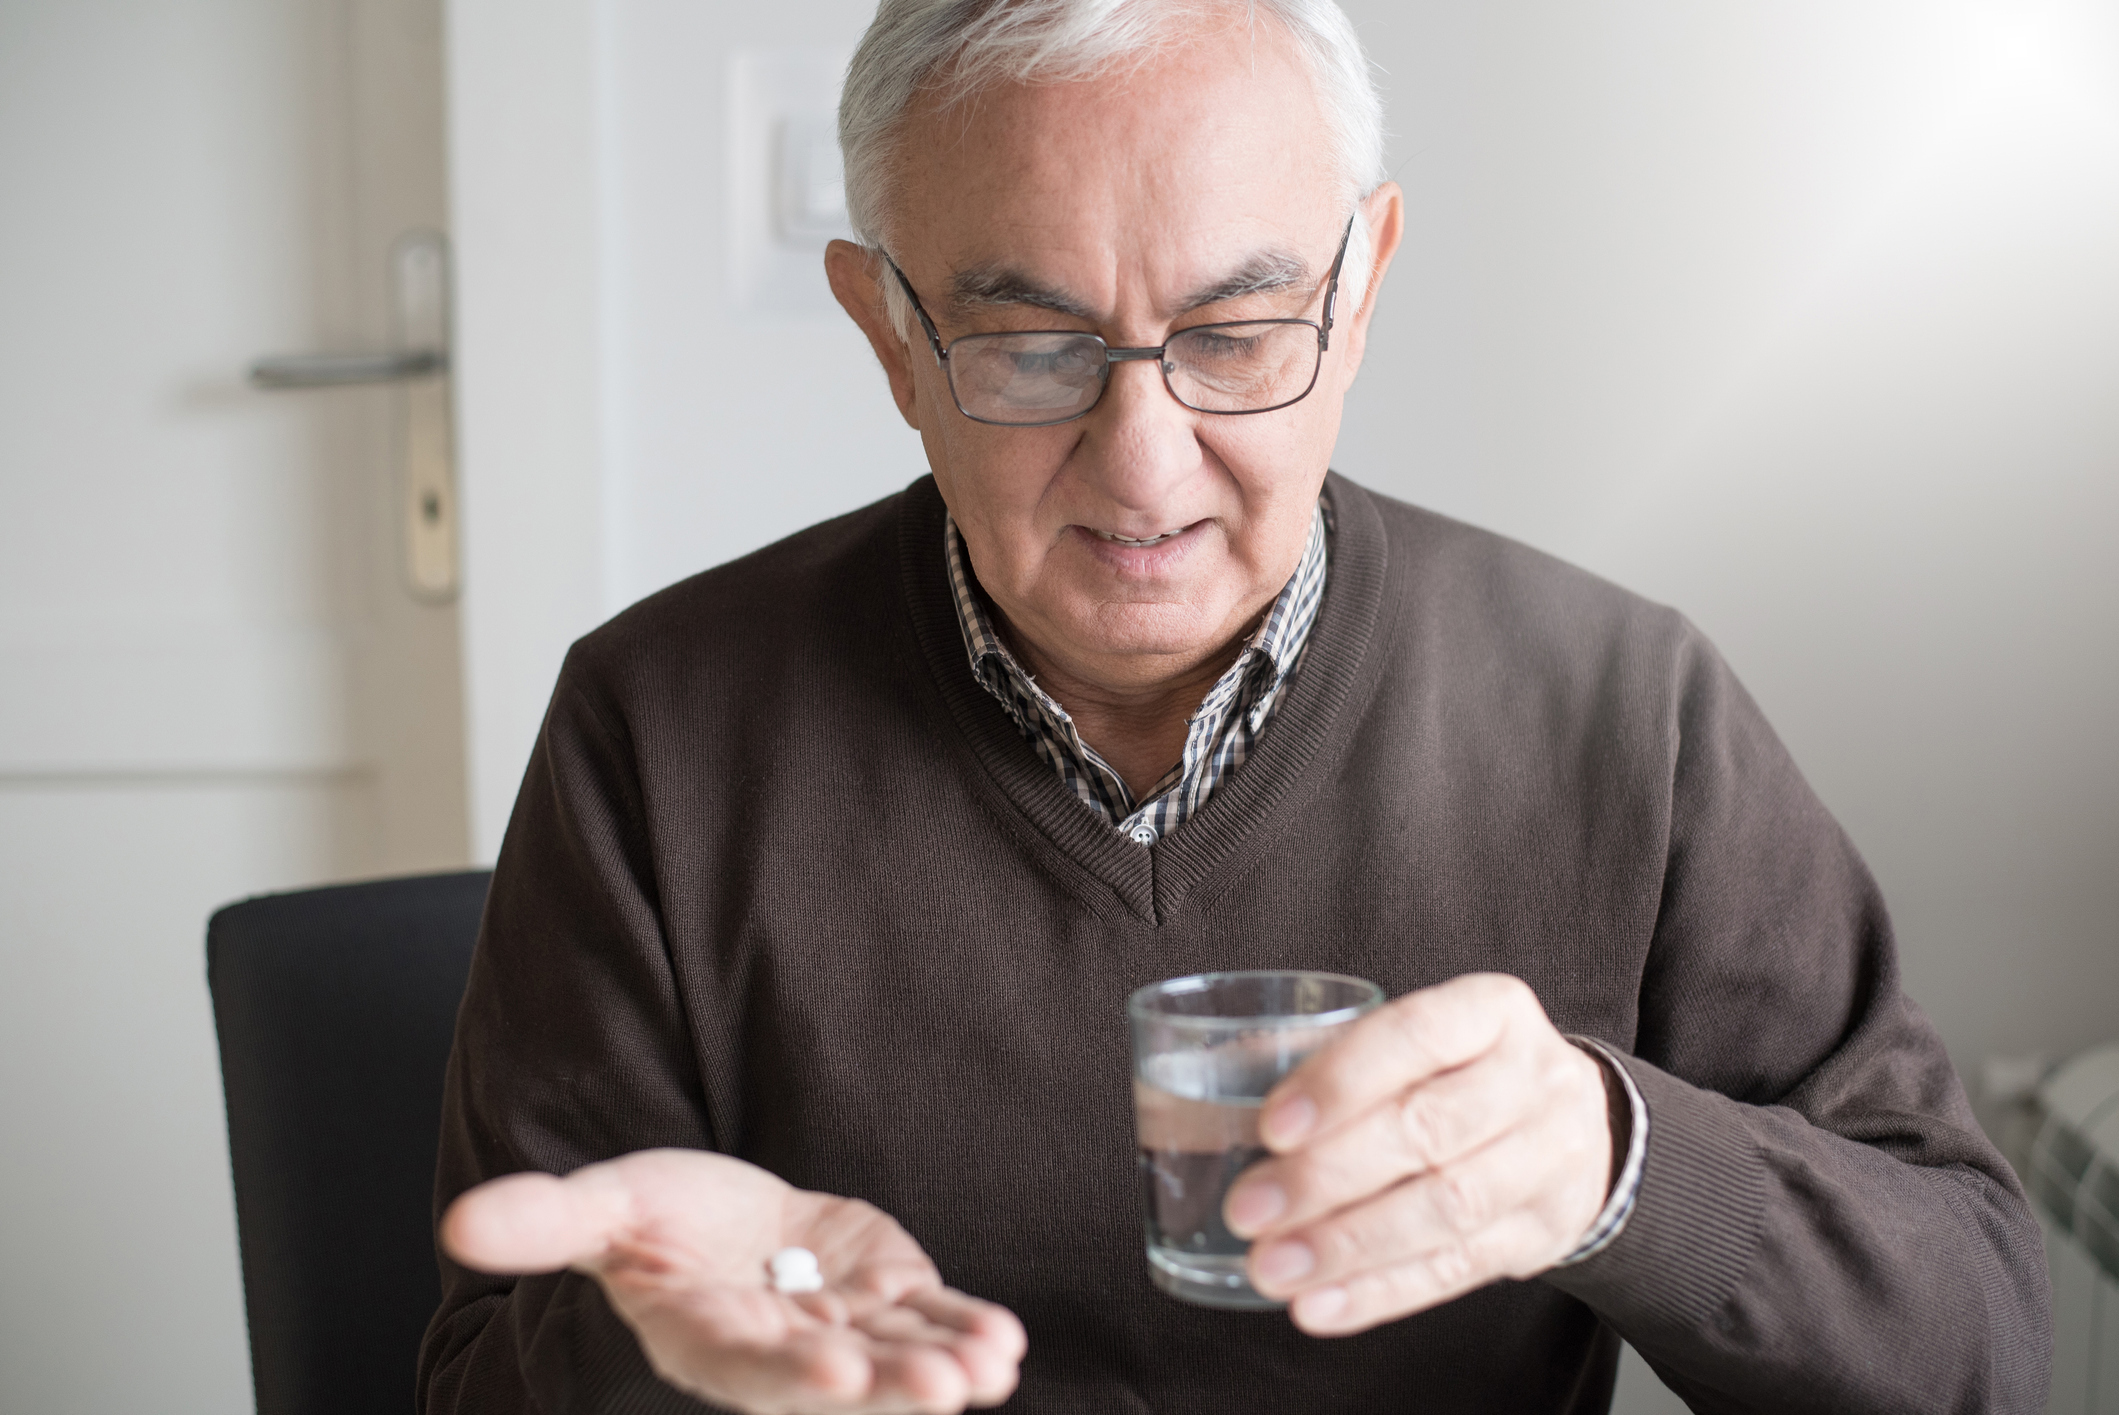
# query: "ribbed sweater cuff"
[[1696, 1222]]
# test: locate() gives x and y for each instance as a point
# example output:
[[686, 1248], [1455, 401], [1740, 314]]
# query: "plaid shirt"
[[1217, 739], [1218, 736]]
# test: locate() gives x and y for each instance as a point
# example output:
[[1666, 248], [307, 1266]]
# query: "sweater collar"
[[1272, 647], [1249, 686], [1313, 719]]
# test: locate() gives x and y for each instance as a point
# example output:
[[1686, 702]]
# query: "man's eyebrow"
[[997, 285], [1261, 273]]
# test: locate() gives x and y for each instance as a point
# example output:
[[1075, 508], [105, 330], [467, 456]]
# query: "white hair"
[[956, 48]]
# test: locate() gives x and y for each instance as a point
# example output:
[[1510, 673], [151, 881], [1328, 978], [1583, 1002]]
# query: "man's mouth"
[[1135, 542]]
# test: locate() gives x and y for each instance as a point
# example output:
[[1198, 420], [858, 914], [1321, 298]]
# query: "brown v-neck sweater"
[[785, 881]]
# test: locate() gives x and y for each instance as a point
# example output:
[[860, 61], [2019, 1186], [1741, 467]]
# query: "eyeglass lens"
[[1027, 379]]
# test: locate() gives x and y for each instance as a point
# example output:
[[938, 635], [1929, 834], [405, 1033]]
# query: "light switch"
[[786, 196], [810, 185]]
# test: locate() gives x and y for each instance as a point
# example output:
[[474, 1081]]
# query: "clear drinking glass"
[[1206, 1049]]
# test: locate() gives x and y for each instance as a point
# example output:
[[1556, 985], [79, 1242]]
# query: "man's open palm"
[[680, 1240]]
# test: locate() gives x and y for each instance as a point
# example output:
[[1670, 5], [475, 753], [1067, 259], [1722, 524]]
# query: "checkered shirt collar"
[[1220, 732]]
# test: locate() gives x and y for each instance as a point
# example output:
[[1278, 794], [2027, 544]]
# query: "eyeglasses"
[[1039, 377]]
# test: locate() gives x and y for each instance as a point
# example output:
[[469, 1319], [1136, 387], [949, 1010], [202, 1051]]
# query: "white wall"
[[1805, 319], [526, 85]]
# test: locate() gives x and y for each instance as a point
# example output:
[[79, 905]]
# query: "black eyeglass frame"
[[1122, 356]]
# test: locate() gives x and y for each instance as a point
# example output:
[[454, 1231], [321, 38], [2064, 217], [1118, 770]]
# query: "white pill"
[[795, 1270]]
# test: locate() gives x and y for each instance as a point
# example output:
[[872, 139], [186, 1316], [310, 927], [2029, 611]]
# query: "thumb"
[[535, 1223]]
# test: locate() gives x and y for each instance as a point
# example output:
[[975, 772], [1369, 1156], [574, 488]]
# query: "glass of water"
[[1206, 1049]]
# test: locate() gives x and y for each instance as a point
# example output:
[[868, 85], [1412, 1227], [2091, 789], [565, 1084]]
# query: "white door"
[[213, 681]]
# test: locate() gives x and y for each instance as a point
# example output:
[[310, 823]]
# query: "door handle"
[[426, 473], [338, 370]]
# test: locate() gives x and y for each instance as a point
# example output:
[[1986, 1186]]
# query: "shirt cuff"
[[1619, 1207]]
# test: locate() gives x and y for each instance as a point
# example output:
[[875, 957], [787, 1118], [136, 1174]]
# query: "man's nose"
[[1139, 443]]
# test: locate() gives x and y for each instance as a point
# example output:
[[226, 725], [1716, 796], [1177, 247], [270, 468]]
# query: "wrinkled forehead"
[[1204, 161]]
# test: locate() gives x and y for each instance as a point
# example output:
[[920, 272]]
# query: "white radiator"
[[2074, 1183]]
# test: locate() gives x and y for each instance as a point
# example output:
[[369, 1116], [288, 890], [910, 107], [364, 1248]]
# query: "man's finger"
[[534, 1223], [740, 1348], [982, 1355], [823, 1369], [1398, 1045], [917, 1376], [905, 1325], [1435, 1122], [893, 1278], [988, 1340], [1386, 1294], [1457, 1205], [829, 1370], [972, 1316]]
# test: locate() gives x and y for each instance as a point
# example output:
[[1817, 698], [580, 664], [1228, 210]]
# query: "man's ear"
[[857, 277], [1384, 210]]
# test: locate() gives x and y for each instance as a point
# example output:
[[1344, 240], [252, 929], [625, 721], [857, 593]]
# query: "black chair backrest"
[[335, 1009]]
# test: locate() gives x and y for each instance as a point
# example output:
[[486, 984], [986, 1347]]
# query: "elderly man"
[[834, 866]]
